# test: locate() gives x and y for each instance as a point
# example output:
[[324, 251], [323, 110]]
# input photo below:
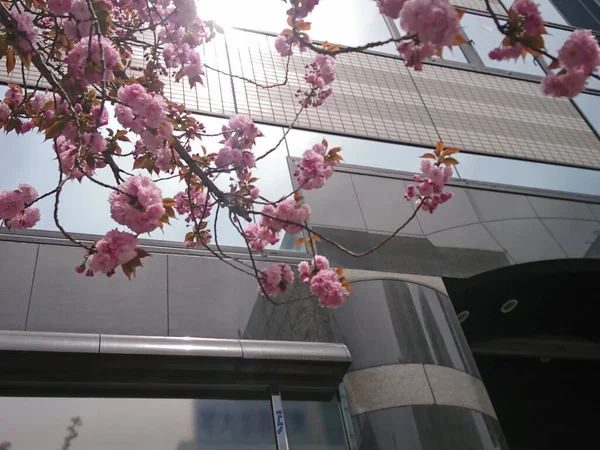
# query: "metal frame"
[[36, 364]]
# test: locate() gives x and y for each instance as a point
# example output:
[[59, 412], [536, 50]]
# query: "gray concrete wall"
[[481, 228]]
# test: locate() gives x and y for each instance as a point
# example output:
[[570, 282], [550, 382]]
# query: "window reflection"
[[590, 107], [382, 155], [314, 425], [486, 37], [554, 41], [149, 424]]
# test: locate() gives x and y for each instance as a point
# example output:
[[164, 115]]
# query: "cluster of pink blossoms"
[[27, 27], [532, 17], [302, 8], [115, 248], [324, 282], [314, 169], [199, 203], [429, 23], [59, 7], [390, 8], [79, 23], [532, 23], [319, 78], [579, 57], [275, 279], [240, 136], [430, 190], [138, 206], [288, 215], [13, 208], [85, 53]]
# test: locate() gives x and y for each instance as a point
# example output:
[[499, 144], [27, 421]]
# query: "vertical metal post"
[[346, 419], [279, 421]]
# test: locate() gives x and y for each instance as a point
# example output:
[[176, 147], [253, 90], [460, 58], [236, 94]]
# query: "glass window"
[[590, 107], [127, 423], [554, 41], [486, 37], [580, 13], [84, 206], [382, 155], [314, 425], [549, 12]]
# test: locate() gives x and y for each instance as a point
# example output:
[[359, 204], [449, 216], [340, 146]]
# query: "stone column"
[[413, 383]]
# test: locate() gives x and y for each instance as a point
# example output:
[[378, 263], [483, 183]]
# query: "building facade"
[[473, 328]]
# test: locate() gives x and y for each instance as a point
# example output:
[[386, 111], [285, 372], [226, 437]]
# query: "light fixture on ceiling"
[[509, 305], [462, 316]]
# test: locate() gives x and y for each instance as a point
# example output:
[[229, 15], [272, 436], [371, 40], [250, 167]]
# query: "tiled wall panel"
[[378, 97]]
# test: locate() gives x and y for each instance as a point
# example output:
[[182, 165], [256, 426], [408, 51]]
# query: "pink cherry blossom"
[[95, 111], [326, 285], [80, 9], [303, 8], [13, 202], [115, 248], [240, 132], [276, 279], [435, 21], [26, 26], [199, 202], [13, 95], [139, 206], [26, 219], [288, 211], [414, 55], [313, 171], [5, 113], [59, 7], [27, 127], [430, 192], [259, 236], [533, 17], [194, 67], [506, 52], [566, 85], [283, 45], [37, 102], [319, 78], [85, 52], [580, 50], [390, 8], [304, 271]]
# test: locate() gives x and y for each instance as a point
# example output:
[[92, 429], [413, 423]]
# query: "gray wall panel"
[[63, 300], [428, 427], [17, 264], [207, 298]]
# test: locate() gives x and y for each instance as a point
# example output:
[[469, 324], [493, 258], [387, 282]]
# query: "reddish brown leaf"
[[298, 196], [450, 151], [429, 156], [315, 238], [167, 202], [10, 60], [299, 242], [450, 162], [324, 142]]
